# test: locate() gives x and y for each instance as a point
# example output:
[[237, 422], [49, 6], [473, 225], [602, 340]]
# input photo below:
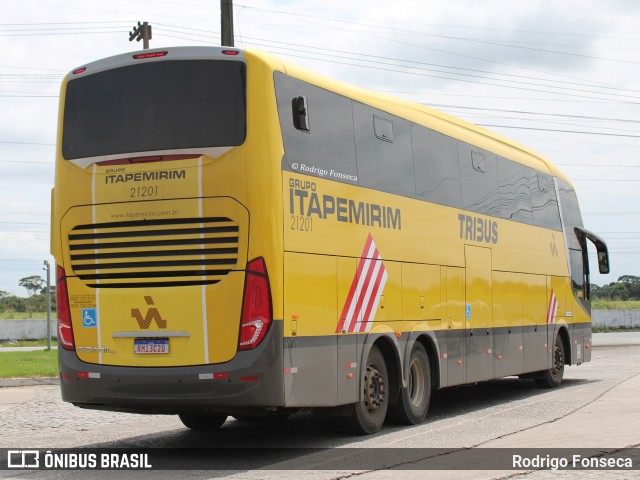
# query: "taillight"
[[256, 308], [65, 332], [142, 56]]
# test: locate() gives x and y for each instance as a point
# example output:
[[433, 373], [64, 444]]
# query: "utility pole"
[[226, 22], [47, 267], [141, 32]]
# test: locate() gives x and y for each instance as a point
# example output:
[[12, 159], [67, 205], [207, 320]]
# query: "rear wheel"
[[413, 402], [553, 377], [202, 422], [369, 413]]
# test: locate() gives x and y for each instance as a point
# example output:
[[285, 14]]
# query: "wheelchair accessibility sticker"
[[89, 318]]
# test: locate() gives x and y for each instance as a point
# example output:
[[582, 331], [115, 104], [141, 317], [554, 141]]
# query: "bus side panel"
[[534, 331], [347, 342], [478, 314], [455, 313], [507, 324], [310, 312], [421, 292]]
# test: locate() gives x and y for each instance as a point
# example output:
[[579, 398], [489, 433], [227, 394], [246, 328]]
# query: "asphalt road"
[[596, 407]]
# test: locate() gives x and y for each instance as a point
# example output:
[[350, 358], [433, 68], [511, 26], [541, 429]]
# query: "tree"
[[33, 284], [633, 286]]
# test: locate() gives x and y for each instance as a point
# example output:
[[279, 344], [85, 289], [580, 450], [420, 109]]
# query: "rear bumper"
[[252, 379]]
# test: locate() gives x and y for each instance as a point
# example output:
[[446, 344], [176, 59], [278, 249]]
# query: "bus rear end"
[[163, 304]]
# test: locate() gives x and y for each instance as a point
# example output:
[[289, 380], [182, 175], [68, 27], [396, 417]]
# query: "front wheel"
[[202, 422], [369, 413], [553, 377], [413, 402]]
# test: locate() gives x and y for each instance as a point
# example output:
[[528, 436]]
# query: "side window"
[[544, 203], [571, 217], [435, 164], [383, 151], [317, 130], [515, 194], [479, 177], [577, 273], [578, 258]]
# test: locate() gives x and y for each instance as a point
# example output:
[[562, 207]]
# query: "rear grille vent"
[[154, 253]]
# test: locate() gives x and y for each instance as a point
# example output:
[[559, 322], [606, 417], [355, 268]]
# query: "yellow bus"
[[238, 236]]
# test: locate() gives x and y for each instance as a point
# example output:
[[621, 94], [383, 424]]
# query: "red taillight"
[[79, 70], [142, 56], [230, 52], [65, 332], [256, 308]]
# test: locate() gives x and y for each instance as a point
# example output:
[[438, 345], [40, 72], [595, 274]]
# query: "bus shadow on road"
[[301, 433], [451, 402]]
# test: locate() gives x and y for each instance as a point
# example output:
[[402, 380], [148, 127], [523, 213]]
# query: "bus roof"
[[419, 114]]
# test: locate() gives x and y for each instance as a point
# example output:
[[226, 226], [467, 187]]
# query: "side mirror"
[[601, 247], [300, 113], [603, 262]]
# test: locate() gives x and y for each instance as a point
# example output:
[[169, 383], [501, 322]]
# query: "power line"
[[536, 113], [440, 25], [544, 121], [413, 62], [307, 16], [582, 165], [611, 213], [559, 131], [26, 143], [466, 81]]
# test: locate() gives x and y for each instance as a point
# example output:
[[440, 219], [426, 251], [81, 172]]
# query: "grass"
[[11, 315], [41, 363], [615, 305], [28, 343], [603, 329]]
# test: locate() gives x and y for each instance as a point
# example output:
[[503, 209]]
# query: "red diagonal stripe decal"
[[553, 306], [364, 294]]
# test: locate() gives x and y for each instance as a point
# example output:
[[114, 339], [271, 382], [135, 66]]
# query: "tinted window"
[[578, 258], [570, 212], [544, 203], [383, 151], [515, 195], [327, 149], [435, 163], [479, 175], [155, 106], [577, 272]]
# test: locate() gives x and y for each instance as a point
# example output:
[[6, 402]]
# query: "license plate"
[[160, 345]]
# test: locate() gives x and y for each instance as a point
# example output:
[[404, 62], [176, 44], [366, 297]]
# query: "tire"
[[553, 377], [370, 412], [413, 401], [202, 422]]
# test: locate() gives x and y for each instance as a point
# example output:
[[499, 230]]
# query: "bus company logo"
[[145, 176], [306, 200], [23, 459], [152, 314], [366, 289]]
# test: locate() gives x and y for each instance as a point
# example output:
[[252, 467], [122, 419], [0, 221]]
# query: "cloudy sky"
[[562, 77]]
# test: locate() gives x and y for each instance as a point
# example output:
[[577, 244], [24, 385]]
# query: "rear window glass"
[[155, 106]]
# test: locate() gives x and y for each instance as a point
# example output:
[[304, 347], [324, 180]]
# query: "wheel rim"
[[416, 383], [558, 359], [374, 389]]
